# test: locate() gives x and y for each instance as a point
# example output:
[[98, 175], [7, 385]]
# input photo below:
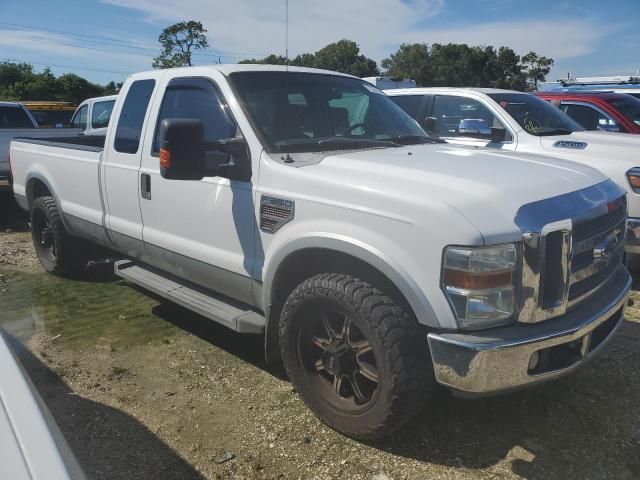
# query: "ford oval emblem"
[[605, 247]]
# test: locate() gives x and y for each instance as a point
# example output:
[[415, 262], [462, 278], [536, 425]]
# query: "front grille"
[[572, 246], [601, 224], [583, 287]]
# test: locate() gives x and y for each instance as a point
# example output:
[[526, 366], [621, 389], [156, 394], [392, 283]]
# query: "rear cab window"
[[134, 110]]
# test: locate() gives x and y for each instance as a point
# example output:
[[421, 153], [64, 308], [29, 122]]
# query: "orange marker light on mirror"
[[165, 158], [634, 180]]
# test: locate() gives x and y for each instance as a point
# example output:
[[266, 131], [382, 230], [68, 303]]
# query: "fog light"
[[533, 361]]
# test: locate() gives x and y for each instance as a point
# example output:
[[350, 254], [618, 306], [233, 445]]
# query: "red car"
[[606, 111]]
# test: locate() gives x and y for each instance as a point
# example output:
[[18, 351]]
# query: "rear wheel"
[[355, 356], [59, 252]]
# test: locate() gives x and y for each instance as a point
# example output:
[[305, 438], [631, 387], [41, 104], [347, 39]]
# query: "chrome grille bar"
[[560, 236]]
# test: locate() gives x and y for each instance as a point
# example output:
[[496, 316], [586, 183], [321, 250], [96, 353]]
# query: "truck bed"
[[69, 165], [78, 142], [8, 134]]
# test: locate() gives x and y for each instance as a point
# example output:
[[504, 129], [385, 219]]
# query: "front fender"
[[357, 249]]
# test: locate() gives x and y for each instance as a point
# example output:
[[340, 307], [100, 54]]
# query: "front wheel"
[[59, 252], [356, 358]]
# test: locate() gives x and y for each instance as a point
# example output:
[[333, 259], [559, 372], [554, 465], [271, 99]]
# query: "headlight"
[[480, 284], [633, 177]]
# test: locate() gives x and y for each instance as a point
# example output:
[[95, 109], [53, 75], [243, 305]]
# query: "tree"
[[177, 42], [343, 56], [272, 59], [18, 81], [73, 88], [410, 61], [458, 65], [536, 67]]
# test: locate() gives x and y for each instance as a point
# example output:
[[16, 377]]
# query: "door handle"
[[145, 186]]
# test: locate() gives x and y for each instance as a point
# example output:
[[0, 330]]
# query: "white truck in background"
[[520, 122], [304, 205], [92, 116]]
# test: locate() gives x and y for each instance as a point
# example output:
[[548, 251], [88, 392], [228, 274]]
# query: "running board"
[[209, 305]]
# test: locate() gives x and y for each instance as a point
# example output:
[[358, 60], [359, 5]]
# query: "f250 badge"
[[275, 212]]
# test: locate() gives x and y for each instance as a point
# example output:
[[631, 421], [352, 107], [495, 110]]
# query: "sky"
[[105, 40]]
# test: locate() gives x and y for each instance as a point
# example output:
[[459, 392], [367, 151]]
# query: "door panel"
[[121, 168], [200, 230]]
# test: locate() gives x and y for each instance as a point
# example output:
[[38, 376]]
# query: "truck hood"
[[485, 186], [608, 146]]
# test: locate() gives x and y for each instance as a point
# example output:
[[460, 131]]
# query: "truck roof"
[[227, 69], [449, 89], [603, 94], [10, 104]]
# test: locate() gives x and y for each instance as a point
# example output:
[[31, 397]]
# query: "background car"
[[51, 114], [605, 111]]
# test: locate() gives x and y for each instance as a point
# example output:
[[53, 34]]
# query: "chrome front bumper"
[[632, 241], [498, 360]]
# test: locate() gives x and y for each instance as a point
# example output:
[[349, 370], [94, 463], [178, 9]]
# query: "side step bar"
[[214, 307]]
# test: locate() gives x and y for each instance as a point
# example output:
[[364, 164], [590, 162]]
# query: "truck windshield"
[[14, 117], [629, 107], [310, 112], [535, 115]]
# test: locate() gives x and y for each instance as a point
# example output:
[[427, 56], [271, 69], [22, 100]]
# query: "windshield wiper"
[[349, 142], [555, 131], [414, 139]]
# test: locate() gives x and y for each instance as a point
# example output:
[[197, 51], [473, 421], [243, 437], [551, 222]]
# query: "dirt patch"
[[145, 389]]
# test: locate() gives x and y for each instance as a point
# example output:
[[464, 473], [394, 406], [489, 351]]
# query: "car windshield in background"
[[535, 115], [14, 117], [309, 112], [629, 106]]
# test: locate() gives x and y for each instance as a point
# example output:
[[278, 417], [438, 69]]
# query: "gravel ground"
[[144, 389]]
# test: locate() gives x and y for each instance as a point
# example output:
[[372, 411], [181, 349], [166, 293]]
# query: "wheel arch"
[[308, 256], [37, 185]]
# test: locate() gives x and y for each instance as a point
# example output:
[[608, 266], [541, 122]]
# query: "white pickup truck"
[[92, 116], [521, 122], [306, 206]]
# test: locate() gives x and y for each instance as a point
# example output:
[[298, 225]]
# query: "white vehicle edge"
[[617, 155]]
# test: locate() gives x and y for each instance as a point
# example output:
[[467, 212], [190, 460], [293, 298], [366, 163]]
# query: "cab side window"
[[454, 116], [196, 98], [590, 118], [101, 113], [80, 118]]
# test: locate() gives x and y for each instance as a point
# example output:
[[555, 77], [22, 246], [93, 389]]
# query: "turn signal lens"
[[480, 284], [165, 158], [477, 281], [633, 176]]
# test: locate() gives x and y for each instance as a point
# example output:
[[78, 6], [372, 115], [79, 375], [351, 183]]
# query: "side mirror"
[[430, 124], [608, 128], [476, 127], [181, 149]]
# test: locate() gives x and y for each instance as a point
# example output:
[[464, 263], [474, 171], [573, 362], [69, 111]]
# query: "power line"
[[106, 40]]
